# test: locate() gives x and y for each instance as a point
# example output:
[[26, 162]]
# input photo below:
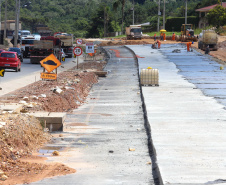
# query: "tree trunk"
[[122, 18]]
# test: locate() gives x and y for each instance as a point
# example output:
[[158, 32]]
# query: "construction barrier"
[[149, 77]]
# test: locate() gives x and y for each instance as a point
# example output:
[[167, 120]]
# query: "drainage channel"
[[201, 70]]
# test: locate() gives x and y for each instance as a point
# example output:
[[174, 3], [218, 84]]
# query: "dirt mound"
[[63, 95], [222, 44], [20, 136], [123, 42]]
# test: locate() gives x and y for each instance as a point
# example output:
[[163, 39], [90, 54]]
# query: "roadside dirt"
[[220, 54], [22, 135]]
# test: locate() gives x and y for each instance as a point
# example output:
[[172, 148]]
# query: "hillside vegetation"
[[85, 18]]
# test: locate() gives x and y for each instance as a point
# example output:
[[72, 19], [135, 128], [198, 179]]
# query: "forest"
[[88, 18]]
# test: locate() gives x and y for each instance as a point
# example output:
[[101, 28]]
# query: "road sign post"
[[79, 41], [50, 63], [77, 52]]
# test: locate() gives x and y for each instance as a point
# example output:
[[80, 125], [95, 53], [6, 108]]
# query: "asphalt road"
[[29, 73], [26, 69]]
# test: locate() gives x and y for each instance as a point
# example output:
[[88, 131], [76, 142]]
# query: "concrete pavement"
[[187, 128], [105, 139]]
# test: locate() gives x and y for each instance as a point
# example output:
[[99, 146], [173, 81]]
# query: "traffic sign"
[[77, 51], [92, 54], [79, 41], [51, 76], [2, 72], [89, 47], [50, 63]]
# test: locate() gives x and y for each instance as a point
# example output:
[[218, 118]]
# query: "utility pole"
[[1, 21], [186, 11], [158, 16], [164, 15], [133, 12], [16, 27], [104, 21], [17, 22], [5, 35]]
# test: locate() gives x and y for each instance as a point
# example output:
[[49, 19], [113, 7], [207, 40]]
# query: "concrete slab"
[[98, 135], [52, 120], [11, 107], [188, 128]]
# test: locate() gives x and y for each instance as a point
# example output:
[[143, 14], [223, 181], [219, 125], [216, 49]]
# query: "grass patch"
[[158, 33]]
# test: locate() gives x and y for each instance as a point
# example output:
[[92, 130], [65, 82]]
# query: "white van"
[[23, 33]]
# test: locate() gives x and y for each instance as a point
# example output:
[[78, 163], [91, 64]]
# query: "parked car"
[[10, 60], [20, 55]]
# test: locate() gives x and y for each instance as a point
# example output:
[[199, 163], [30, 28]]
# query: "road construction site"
[[126, 133]]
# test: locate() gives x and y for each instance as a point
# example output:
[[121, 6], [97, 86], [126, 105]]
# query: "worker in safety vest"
[[189, 46], [173, 36], [164, 36], [161, 36], [159, 44], [155, 37]]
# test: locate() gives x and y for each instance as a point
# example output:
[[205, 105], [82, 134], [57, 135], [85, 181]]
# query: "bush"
[[6, 43]]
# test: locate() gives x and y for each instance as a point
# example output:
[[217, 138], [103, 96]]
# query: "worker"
[[159, 44], [207, 50], [173, 36], [161, 36], [164, 36], [155, 37], [189, 46]]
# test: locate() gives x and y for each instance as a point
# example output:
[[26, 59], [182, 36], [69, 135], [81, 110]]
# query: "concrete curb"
[[152, 152]]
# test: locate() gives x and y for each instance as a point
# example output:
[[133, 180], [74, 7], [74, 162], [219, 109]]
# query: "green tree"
[[217, 16], [115, 7], [96, 28]]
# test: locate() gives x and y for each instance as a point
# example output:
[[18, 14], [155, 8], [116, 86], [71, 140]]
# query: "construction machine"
[[208, 38], [187, 33]]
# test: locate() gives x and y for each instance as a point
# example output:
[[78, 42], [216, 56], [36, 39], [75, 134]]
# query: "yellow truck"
[[133, 32], [208, 38]]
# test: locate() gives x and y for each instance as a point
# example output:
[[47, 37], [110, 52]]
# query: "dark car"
[[20, 55], [10, 60], [1, 50]]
